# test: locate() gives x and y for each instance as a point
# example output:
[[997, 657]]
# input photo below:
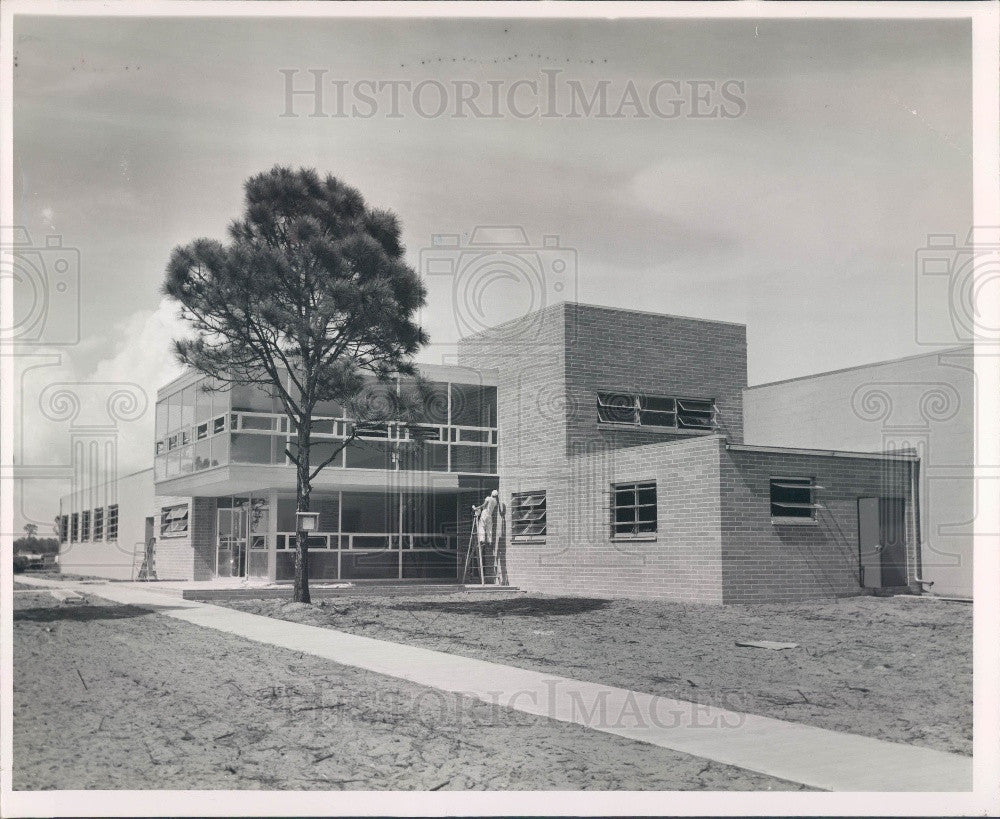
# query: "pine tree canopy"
[[311, 282]]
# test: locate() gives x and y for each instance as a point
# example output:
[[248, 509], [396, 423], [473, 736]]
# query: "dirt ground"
[[111, 696], [895, 669]]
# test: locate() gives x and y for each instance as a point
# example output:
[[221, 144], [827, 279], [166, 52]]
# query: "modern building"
[[924, 403], [616, 439]]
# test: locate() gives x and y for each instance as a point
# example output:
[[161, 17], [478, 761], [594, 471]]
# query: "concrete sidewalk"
[[799, 753]]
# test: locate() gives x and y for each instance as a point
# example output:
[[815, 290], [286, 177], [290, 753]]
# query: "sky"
[[799, 217]]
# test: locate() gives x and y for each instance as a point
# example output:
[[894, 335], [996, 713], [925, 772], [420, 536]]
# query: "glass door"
[[231, 552]]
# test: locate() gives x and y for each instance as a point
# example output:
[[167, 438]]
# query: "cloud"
[[63, 411]]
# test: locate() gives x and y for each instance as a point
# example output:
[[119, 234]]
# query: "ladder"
[[147, 571], [486, 566]]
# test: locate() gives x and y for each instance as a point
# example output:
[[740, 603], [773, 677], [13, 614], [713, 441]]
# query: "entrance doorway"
[[882, 542], [231, 552]]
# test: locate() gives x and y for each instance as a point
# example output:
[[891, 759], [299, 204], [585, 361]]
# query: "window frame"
[[111, 523], [638, 405], [85, 525], [793, 482], [517, 504], [167, 519], [97, 523], [635, 487], [64, 528], [74, 527]]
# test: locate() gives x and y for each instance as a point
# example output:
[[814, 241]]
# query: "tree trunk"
[[303, 487]]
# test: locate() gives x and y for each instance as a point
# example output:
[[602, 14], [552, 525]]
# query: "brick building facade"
[[616, 439]]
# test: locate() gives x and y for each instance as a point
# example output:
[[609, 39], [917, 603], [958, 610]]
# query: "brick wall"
[[203, 526], [715, 541], [608, 350], [578, 555], [762, 561]]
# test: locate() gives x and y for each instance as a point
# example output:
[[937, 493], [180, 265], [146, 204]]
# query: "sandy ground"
[[894, 669], [111, 696]]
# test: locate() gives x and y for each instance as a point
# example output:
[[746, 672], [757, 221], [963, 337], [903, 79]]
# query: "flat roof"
[[829, 453], [445, 372], [945, 351], [589, 306]]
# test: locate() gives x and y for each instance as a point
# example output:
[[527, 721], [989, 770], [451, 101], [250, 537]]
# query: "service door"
[[882, 542], [869, 543], [892, 534]]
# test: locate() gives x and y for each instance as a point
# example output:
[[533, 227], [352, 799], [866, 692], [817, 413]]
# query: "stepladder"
[[482, 555], [147, 553]]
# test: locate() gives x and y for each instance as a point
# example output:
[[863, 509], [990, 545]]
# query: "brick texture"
[[715, 541]]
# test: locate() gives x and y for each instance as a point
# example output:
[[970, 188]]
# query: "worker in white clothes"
[[486, 510]]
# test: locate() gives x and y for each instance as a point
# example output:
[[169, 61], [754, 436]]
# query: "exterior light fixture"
[[307, 521]]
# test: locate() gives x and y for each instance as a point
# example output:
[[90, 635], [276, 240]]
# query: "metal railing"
[[373, 541]]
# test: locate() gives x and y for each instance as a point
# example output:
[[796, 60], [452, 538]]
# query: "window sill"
[[631, 538], [794, 522], [650, 428], [527, 540]]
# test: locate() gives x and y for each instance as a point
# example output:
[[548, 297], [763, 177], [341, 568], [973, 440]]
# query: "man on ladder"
[[484, 524]]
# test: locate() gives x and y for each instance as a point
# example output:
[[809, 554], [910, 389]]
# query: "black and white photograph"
[[472, 408]]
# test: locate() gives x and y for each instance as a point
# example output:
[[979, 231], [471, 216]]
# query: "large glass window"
[[369, 455], [99, 523], [656, 411], [188, 395], [64, 528], [85, 525], [173, 411], [473, 405], [251, 398], [428, 405], [253, 449], [369, 512], [74, 531], [633, 509]]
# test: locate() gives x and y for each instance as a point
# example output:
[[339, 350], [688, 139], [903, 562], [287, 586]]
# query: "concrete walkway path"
[[799, 753]]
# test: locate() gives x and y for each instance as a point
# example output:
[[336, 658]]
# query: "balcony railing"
[[213, 442], [372, 541]]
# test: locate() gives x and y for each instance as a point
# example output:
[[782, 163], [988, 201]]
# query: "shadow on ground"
[[517, 607], [79, 613]]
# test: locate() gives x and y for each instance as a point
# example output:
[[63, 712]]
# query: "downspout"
[[915, 513]]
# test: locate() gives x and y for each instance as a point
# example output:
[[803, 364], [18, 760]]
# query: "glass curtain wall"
[[375, 535]]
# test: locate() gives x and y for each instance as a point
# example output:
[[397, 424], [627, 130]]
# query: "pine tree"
[[312, 283]]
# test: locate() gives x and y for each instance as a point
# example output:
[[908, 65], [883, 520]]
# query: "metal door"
[[892, 534], [882, 542], [869, 543]]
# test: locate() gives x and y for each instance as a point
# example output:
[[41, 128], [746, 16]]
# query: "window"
[[656, 411], [112, 522], [794, 498], [633, 510], [161, 447], [527, 515], [64, 528], [202, 431], [74, 531], [174, 521], [85, 525], [99, 524], [219, 425]]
